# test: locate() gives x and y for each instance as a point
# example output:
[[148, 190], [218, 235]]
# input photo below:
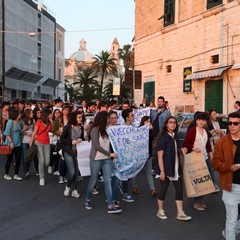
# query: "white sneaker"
[[161, 214], [16, 177], [50, 170], [157, 176], [42, 182], [56, 173], [67, 191], [7, 177], [75, 194]]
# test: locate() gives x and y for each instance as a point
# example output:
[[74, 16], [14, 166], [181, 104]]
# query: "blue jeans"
[[106, 166], [231, 201], [26, 164], [210, 169], [115, 182], [72, 172], [148, 170]]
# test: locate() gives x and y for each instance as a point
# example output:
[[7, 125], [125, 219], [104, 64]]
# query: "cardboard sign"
[[197, 179]]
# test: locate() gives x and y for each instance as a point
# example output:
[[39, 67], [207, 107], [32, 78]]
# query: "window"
[[169, 68], [60, 73], [213, 3], [169, 12], [215, 59]]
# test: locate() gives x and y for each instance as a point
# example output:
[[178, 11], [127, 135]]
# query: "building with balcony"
[[189, 52], [32, 51]]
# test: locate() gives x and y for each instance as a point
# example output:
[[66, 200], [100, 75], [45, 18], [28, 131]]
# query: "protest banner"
[[83, 150], [197, 179], [131, 145], [138, 114]]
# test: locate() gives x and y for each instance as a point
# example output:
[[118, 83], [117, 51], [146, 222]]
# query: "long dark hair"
[[165, 130], [26, 116], [100, 121], [144, 119], [44, 116]]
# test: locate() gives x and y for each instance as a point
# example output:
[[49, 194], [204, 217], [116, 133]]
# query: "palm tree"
[[127, 55], [85, 79], [105, 65]]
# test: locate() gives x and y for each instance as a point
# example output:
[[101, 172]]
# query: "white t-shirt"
[[105, 144]]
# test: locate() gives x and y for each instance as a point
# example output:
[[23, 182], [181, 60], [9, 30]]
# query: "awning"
[[51, 82], [209, 73], [236, 66], [26, 76]]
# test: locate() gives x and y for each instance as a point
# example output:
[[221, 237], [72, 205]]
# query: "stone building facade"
[[188, 52]]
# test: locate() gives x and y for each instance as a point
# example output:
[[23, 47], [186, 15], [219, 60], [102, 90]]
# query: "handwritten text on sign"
[[138, 114], [131, 145]]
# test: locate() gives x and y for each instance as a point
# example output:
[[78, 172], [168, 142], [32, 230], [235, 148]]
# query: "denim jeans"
[[210, 169], [72, 173], [148, 170], [106, 166], [26, 164], [43, 157], [231, 201], [115, 182]]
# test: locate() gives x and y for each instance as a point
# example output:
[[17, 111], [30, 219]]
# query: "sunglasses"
[[233, 123]]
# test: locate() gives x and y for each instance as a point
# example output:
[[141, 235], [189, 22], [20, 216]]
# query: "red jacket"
[[223, 158], [190, 139]]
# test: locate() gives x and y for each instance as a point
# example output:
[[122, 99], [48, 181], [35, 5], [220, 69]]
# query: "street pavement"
[[32, 212]]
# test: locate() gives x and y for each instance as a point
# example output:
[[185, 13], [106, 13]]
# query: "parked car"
[[184, 120]]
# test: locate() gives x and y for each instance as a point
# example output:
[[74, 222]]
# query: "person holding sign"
[[226, 160], [197, 140], [146, 120], [168, 147], [101, 158]]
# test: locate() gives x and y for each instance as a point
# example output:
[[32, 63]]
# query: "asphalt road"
[[31, 212]]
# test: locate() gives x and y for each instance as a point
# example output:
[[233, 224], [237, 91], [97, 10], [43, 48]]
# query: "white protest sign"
[[138, 114], [83, 150], [131, 145]]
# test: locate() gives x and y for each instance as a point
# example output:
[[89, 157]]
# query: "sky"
[[87, 19]]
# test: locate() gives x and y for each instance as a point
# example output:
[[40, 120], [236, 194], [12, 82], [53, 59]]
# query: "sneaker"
[[154, 193], [128, 198], [114, 210], [87, 204], [157, 176], [16, 177], [27, 175], [95, 191], [37, 173], [116, 203], [136, 190], [66, 192], [64, 180], [7, 177], [56, 173], [183, 217], [203, 205], [61, 180], [198, 207], [224, 233], [161, 214], [75, 194], [50, 170], [42, 182]]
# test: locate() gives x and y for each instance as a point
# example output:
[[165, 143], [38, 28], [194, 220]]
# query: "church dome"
[[82, 55]]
